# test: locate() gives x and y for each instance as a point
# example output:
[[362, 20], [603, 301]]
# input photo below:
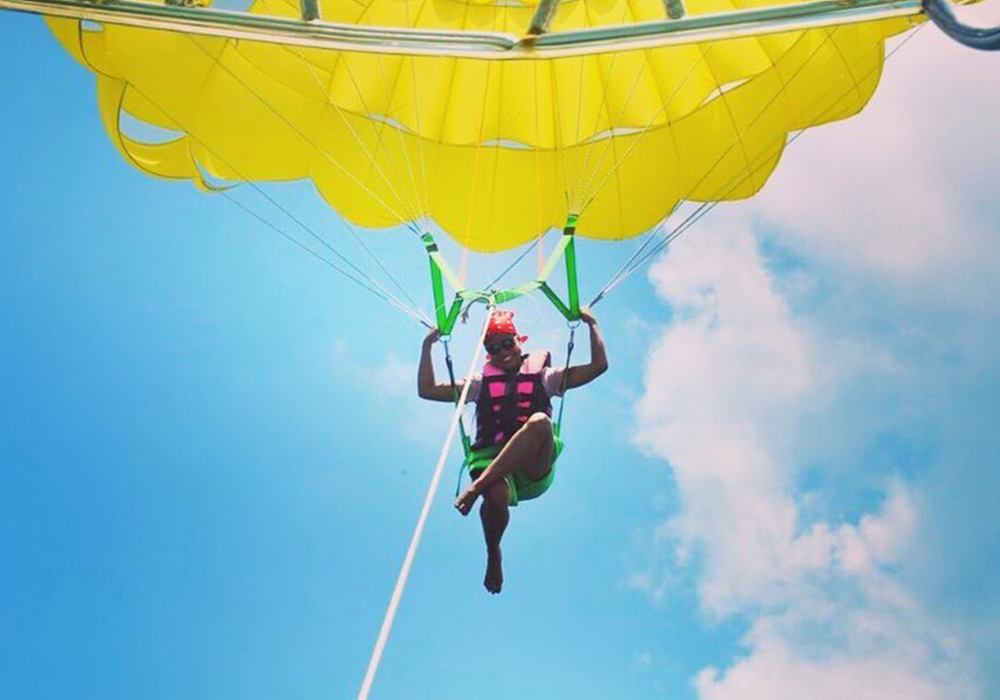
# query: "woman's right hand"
[[432, 338]]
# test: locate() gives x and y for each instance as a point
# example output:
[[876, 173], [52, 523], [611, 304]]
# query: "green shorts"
[[521, 487]]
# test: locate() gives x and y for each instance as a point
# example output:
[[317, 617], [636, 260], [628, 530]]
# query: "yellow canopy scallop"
[[494, 151]]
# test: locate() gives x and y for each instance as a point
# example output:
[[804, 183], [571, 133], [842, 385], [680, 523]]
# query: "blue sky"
[[213, 456]]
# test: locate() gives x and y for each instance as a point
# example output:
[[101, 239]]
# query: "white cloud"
[[726, 387], [899, 190], [778, 671], [721, 386]]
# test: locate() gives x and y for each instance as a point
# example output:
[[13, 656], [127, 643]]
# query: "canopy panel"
[[495, 152]]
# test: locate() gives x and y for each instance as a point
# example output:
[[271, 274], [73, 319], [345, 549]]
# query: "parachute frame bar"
[[459, 44]]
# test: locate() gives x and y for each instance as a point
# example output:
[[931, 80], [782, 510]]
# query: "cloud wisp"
[[726, 386]]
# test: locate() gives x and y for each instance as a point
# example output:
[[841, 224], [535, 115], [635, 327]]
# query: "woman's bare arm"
[[578, 375], [427, 386]]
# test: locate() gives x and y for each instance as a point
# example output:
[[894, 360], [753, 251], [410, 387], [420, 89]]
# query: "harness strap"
[[565, 377], [466, 444]]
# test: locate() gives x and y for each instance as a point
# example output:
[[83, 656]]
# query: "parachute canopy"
[[495, 151]]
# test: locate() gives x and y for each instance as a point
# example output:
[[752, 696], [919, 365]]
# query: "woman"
[[515, 450]]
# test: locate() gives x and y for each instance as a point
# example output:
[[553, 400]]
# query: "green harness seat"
[[521, 487]]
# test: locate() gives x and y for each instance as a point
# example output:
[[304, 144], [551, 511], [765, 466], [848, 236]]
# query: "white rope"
[[404, 572]]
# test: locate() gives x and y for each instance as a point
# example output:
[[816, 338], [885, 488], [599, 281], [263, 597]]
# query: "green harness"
[[447, 315], [521, 487]]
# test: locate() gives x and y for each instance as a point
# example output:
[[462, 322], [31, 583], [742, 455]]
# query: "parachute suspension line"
[[590, 194], [626, 271], [382, 293], [539, 231], [723, 191], [573, 325], [325, 261], [540, 244], [984, 39], [522, 256], [298, 131], [298, 53], [473, 188], [496, 137], [417, 112], [639, 137], [419, 207], [575, 149], [477, 157], [604, 109], [705, 207], [404, 572], [560, 153], [609, 146], [496, 157], [738, 138], [349, 228], [647, 240], [412, 209], [575, 195], [406, 202], [422, 206]]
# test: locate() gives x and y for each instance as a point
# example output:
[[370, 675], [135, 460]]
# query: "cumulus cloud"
[[725, 389], [721, 387], [895, 210], [778, 671], [898, 191]]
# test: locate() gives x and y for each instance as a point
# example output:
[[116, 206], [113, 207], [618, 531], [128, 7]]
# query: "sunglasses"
[[505, 344]]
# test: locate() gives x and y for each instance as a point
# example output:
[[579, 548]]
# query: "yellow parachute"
[[495, 151]]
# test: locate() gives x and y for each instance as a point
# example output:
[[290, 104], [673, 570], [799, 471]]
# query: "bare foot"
[[494, 571], [465, 502]]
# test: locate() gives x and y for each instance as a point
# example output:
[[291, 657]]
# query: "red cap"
[[502, 323]]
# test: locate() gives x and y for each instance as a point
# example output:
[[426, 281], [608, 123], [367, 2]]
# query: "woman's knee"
[[539, 422]]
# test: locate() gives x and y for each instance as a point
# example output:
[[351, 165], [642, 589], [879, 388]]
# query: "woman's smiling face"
[[504, 351]]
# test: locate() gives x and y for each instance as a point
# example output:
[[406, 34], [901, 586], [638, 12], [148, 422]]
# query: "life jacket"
[[507, 399]]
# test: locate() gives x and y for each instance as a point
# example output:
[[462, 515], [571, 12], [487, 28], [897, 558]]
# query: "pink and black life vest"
[[507, 399]]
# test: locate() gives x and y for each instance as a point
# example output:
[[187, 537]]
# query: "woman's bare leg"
[[530, 449], [495, 514]]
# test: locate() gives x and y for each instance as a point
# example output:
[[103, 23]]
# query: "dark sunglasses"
[[505, 344]]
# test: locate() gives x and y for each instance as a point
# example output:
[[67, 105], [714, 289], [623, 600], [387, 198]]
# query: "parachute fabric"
[[496, 152]]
